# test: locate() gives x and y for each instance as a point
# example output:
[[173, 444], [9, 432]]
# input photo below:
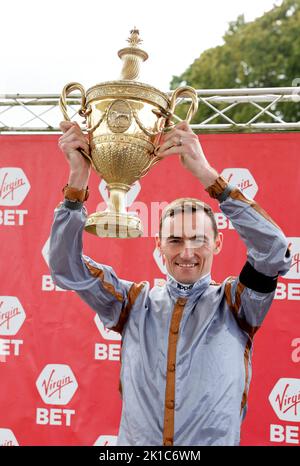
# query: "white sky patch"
[[44, 45]]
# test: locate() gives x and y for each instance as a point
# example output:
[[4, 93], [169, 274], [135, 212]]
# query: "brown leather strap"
[[74, 194]]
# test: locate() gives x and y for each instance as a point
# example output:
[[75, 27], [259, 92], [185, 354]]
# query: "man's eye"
[[174, 240], [199, 241]]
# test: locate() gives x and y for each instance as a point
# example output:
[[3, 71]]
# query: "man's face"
[[187, 245]]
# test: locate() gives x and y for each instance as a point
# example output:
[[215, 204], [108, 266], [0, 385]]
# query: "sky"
[[45, 45]]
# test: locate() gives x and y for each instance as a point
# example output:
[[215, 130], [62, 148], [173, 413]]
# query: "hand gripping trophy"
[[124, 121]]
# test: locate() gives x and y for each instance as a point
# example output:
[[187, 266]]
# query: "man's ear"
[[157, 241], [218, 243]]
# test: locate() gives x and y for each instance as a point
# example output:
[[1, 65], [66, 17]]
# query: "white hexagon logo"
[[14, 186], [285, 399], [242, 179], [159, 261], [7, 438], [294, 272], [130, 196], [106, 441], [106, 333], [12, 315], [56, 384]]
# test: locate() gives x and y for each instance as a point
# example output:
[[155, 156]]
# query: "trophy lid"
[[132, 56], [128, 86]]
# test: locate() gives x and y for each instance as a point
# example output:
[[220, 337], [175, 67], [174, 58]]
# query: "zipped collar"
[[183, 290]]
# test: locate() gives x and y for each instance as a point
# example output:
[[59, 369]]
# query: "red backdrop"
[[59, 367]]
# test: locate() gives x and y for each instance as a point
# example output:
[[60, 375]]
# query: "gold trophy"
[[124, 121]]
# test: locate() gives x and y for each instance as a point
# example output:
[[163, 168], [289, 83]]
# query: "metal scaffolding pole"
[[40, 113]]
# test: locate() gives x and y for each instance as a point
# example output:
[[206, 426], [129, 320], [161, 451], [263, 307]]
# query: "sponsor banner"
[[60, 364]]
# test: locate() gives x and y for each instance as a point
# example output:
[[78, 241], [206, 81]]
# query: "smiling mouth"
[[187, 266]]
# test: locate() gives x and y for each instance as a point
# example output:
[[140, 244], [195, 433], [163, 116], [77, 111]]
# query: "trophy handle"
[[63, 99], [185, 91], [152, 162], [82, 111]]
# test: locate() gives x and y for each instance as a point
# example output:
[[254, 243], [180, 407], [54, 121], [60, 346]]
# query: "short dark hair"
[[191, 203]]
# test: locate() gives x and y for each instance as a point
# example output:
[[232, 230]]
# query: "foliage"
[[261, 53]]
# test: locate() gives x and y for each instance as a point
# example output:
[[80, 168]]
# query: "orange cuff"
[[217, 188], [74, 194]]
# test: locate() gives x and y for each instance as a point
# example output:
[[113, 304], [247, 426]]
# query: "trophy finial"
[[134, 39], [132, 56]]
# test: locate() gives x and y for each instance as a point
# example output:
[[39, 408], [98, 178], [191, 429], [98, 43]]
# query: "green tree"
[[261, 53]]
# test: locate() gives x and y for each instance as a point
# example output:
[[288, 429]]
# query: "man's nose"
[[187, 252]]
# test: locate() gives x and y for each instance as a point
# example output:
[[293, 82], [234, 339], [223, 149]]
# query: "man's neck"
[[185, 287]]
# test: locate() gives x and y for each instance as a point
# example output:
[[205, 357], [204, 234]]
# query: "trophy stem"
[[115, 221], [117, 198]]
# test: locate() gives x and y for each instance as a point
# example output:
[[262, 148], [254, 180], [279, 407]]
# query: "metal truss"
[[40, 113]]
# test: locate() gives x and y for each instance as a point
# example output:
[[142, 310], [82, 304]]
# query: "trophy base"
[[113, 225]]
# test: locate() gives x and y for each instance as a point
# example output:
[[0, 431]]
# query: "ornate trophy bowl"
[[124, 119]]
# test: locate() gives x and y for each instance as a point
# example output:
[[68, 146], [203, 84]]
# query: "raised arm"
[[268, 255], [250, 294], [97, 284]]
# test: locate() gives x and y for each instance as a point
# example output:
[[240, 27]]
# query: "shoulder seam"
[[95, 272], [234, 307], [132, 296]]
